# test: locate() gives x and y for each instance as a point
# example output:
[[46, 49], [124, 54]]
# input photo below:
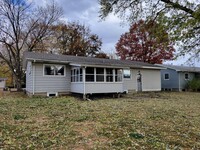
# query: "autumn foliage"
[[147, 42]]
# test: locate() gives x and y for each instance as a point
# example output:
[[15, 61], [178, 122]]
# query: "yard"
[[140, 121]]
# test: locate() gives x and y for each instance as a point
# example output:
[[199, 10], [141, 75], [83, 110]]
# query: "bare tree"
[[23, 27], [75, 39]]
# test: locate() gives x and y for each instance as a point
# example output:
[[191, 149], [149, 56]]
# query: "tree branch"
[[180, 7]]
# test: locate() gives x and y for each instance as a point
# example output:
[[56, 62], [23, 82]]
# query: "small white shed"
[[2, 83]]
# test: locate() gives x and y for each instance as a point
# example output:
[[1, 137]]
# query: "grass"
[[140, 121]]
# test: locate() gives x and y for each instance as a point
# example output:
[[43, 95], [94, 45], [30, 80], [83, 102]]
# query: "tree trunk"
[[18, 76]]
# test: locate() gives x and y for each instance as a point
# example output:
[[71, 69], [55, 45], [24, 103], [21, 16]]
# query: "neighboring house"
[[51, 74], [2, 83], [175, 78]]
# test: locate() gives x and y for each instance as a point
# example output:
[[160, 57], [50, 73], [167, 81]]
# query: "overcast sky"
[[87, 12]]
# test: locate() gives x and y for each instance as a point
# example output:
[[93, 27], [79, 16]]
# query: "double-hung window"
[[127, 74], [186, 76], [166, 76]]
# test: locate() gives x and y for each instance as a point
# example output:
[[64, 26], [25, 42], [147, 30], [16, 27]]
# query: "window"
[[76, 75], [186, 76], [89, 74], [118, 75], [127, 74], [166, 76], [109, 75], [54, 70], [99, 74]]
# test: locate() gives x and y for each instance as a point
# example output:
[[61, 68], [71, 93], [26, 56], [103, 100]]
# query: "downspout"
[[179, 82]]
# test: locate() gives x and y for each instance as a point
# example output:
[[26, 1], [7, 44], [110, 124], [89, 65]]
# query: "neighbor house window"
[[186, 76], [54, 70], [118, 75], [127, 74], [99, 74], [76, 75], [166, 76], [89, 74]]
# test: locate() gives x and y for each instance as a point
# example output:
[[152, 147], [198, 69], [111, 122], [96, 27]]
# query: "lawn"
[[139, 121]]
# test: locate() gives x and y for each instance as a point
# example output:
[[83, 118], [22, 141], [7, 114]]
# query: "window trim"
[[54, 71], [168, 75]]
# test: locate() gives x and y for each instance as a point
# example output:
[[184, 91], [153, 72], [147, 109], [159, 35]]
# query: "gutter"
[[45, 60], [97, 65]]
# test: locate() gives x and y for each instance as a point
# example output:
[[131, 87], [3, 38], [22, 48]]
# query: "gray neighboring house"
[[175, 78], [52, 75], [2, 83]]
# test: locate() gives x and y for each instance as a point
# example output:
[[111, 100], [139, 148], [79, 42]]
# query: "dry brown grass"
[[140, 121]]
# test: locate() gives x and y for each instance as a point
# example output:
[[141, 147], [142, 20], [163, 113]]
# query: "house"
[[52, 75], [175, 78], [2, 83]]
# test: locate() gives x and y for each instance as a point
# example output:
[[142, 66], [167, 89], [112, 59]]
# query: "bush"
[[194, 84]]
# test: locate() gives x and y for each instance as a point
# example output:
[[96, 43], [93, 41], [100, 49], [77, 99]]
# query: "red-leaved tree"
[[144, 43]]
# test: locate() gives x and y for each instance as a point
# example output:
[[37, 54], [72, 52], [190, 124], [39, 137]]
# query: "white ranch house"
[[52, 75]]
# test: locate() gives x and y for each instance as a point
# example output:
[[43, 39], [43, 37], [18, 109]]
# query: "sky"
[[87, 12], [109, 30]]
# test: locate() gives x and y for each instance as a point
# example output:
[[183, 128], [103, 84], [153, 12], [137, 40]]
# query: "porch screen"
[[99, 74], [89, 74], [109, 75], [118, 75], [76, 75]]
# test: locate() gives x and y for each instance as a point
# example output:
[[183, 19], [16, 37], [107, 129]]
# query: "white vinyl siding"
[[51, 84], [151, 80]]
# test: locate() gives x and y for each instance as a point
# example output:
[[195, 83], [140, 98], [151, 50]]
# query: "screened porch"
[[89, 80]]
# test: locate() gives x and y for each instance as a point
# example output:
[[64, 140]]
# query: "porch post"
[[84, 94]]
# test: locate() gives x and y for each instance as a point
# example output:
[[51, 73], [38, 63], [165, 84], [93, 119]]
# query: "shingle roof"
[[48, 57], [2, 79], [182, 68]]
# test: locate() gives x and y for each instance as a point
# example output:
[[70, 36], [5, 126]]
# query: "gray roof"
[[3, 79], [182, 68], [48, 57]]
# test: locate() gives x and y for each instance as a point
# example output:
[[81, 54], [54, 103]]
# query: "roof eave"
[[46, 60]]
